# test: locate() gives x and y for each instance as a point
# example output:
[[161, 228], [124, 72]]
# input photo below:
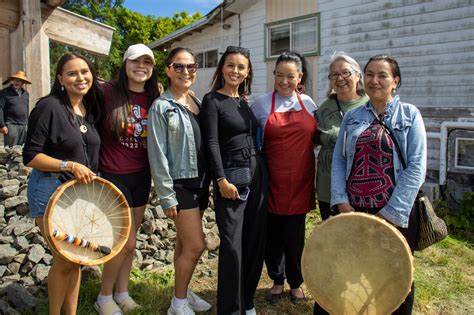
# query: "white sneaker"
[[197, 303], [252, 311], [184, 309]]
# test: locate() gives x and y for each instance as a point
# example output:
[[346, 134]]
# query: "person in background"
[[368, 172], [14, 101], [124, 162], [230, 128], [289, 129], [180, 172], [346, 92], [61, 143]]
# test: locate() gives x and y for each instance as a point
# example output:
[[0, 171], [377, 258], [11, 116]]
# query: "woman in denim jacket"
[[367, 173], [180, 172]]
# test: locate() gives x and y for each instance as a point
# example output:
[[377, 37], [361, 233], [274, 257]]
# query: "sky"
[[166, 8]]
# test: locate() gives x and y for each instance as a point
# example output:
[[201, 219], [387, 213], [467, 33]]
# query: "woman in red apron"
[[288, 134]]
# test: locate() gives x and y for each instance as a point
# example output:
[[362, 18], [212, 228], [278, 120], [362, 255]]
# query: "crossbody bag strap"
[[395, 142]]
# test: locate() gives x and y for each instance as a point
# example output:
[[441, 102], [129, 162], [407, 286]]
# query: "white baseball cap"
[[136, 51]]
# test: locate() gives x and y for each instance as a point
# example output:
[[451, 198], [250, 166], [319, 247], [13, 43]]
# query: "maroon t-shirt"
[[372, 179], [128, 154]]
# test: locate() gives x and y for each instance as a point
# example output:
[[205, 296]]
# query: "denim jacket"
[[171, 146], [407, 125]]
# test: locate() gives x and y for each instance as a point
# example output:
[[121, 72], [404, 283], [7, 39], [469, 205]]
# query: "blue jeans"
[[41, 185]]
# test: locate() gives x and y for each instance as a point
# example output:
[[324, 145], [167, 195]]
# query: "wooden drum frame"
[[357, 263], [84, 217]]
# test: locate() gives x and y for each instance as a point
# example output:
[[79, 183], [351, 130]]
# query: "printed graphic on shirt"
[[137, 121]]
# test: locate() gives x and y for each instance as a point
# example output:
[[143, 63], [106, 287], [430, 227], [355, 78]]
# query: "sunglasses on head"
[[237, 49], [179, 67]]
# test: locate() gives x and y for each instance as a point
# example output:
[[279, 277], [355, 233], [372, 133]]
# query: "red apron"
[[288, 147]]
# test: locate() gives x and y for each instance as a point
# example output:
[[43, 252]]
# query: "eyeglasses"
[[179, 67], [344, 74], [237, 49]]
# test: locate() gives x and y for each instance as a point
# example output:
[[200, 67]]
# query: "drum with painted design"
[[87, 224]]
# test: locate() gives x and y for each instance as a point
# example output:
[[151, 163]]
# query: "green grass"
[[444, 279]]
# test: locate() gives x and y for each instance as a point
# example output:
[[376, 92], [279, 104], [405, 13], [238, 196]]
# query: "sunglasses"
[[179, 67], [237, 49]]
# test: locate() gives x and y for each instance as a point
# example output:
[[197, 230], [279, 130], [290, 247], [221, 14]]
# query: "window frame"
[[289, 22], [204, 58]]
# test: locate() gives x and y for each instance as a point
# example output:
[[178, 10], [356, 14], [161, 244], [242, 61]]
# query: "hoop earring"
[[300, 89]]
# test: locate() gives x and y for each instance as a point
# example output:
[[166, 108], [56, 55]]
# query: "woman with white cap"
[[124, 161]]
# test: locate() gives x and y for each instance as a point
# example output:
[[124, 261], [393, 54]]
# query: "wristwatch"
[[63, 165]]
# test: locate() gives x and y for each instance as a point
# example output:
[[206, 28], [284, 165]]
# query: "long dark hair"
[[93, 100], [173, 52], [218, 83], [120, 98]]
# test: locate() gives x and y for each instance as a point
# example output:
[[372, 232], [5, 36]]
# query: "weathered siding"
[[283, 9], [252, 23], [213, 37], [433, 41]]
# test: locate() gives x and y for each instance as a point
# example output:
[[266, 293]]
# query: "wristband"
[[63, 165]]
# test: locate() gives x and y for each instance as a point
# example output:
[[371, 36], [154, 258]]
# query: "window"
[[300, 34], [207, 59], [464, 153]]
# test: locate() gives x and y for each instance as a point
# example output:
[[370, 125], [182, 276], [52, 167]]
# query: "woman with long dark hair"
[[230, 134], [180, 172], [62, 143], [124, 162]]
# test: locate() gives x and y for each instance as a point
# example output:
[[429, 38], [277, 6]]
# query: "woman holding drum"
[[368, 173], [62, 142]]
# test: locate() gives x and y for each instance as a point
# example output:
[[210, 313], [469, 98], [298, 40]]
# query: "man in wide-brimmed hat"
[[14, 109]]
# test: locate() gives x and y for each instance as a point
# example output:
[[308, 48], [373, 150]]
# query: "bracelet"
[[219, 179], [62, 165]]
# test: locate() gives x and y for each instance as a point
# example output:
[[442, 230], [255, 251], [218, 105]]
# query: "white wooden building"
[[433, 41]]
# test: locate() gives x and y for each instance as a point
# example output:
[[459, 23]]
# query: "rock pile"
[[25, 258]]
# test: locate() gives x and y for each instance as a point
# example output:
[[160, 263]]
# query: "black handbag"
[[431, 228], [240, 177]]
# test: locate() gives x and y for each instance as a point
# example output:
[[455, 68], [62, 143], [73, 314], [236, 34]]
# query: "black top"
[[227, 123], [203, 168], [52, 131], [13, 107]]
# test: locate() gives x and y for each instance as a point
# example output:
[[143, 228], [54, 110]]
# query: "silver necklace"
[[234, 99]]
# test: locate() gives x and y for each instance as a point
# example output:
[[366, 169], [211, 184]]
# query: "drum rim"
[[54, 243], [367, 216]]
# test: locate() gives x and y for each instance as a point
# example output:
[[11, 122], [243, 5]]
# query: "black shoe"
[[272, 298], [295, 299]]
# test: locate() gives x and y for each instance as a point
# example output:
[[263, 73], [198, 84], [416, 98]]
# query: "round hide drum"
[[87, 224], [357, 263]]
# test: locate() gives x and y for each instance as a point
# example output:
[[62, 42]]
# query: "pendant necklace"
[[82, 126]]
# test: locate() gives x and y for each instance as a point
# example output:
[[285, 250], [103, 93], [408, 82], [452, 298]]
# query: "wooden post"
[[36, 53]]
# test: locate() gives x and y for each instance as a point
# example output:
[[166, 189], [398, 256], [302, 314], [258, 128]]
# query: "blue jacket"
[[407, 125], [171, 146]]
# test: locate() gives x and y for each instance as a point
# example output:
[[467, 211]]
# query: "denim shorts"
[[41, 185]]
